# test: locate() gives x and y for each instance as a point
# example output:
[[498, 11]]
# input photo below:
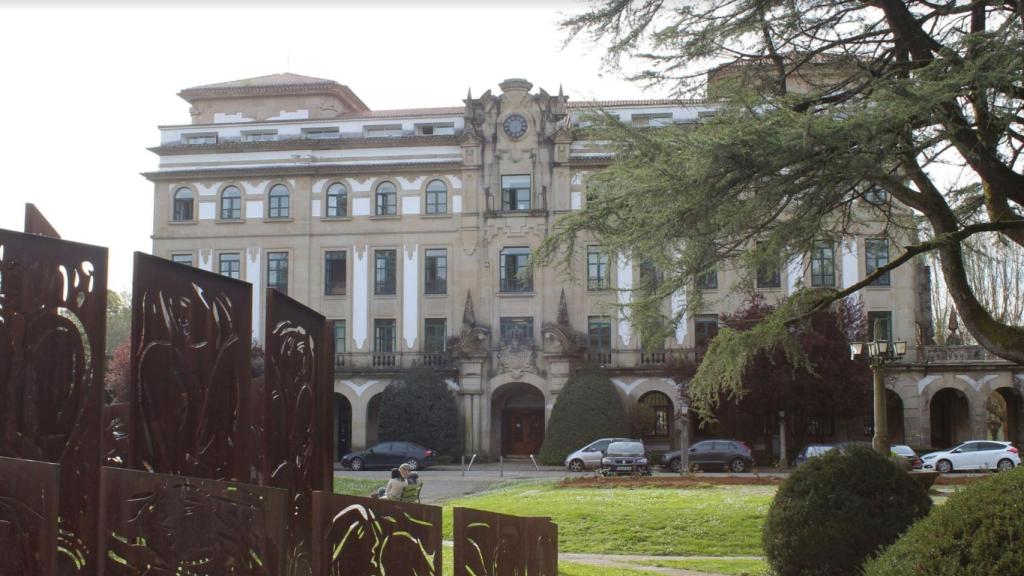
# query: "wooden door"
[[523, 431]]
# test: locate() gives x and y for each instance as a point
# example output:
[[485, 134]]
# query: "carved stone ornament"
[[517, 357], [472, 342], [557, 339]]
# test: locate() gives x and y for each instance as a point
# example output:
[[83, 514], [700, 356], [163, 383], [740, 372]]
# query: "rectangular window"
[[201, 139], [876, 255], [708, 280], [876, 195], [185, 259], [230, 265], [320, 133], [335, 272], [651, 120], [262, 136], [435, 129], [886, 325], [435, 331], [340, 341], [705, 328], [768, 276], [389, 131], [598, 273], [515, 193], [823, 264], [384, 272], [517, 328], [384, 336], [599, 333], [650, 276], [515, 270], [435, 273], [277, 271]]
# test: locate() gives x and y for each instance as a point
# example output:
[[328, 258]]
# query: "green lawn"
[[712, 521], [726, 567], [356, 486]]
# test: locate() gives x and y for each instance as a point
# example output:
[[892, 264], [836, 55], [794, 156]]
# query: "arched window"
[[437, 197], [182, 205], [656, 414], [387, 199], [337, 200], [231, 203], [279, 207]]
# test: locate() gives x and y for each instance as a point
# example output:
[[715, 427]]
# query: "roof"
[[274, 85], [572, 105], [407, 112]]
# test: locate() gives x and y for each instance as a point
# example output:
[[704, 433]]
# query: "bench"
[[411, 493]]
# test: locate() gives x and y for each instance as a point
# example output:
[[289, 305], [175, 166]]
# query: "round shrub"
[[587, 408], [419, 407], [836, 510], [977, 532]]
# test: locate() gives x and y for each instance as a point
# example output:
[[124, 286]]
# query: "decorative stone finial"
[[515, 84], [563, 310], [468, 317], [954, 339]]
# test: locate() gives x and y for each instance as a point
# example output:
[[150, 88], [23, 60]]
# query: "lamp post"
[[878, 353], [684, 439]]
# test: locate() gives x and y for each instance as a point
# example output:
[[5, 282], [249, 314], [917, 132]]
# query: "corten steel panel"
[[53, 304], [294, 425], [190, 363], [163, 525], [115, 434], [491, 544], [29, 493], [36, 223], [355, 536]]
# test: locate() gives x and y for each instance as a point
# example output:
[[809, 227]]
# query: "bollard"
[[535, 467], [501, 466], [463, 464], [471, 460]]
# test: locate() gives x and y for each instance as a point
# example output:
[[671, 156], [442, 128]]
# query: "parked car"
[[974, 455], [812, 450], [589, 456], [389, 455], [907, 453], [731, 455], [628, 457]]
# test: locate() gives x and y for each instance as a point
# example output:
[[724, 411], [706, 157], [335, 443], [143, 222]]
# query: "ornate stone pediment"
[[516, 358], [472, 342]]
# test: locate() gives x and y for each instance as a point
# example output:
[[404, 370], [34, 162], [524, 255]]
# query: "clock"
[[515, 126]]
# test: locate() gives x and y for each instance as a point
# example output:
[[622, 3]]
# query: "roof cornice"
[[308, 169], [313, 144]]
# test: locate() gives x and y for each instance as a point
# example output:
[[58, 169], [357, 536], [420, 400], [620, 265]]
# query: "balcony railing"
[[599, 357], [389, 361], [435, 286], [653, 357], [516, 284], [600, 283]]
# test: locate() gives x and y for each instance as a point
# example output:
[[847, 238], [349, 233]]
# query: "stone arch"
[[949, 413], [658, 432], [894, 417], [1004, 410], [341, 429], [373, 419], [518, 415]]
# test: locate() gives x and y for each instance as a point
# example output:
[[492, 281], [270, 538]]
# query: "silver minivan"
[[589, 457]]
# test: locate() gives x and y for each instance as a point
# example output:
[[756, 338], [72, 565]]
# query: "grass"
[[356, 486], [710, 521], [726, 567], [564, 568]]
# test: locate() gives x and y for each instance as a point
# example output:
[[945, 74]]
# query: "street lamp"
[[878, 355]]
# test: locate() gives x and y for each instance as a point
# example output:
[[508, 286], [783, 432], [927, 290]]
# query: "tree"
[[587, 408], [823, 104], [419, 407], [119, 318], [115, 380]]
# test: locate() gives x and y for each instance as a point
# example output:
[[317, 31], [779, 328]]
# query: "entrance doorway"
[[950, 418], [342, 426], [520, 411]]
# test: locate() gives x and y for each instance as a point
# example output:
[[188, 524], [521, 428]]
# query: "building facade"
[[411, 230]]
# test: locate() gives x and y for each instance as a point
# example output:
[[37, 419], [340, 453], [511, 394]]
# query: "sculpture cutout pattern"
[[53, 300], [29, 494], [491, 544]]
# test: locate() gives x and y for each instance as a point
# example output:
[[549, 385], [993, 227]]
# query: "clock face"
[[515, 126]]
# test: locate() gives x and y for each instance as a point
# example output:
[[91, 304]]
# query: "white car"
[[590, 455], [974, 455]]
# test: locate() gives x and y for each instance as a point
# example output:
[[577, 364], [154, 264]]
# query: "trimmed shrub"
[[587, 408], [836, 510], [977, 532], [419, 407]]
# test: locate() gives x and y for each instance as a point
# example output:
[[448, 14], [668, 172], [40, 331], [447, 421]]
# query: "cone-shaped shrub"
[[419, 407], [587, 408]]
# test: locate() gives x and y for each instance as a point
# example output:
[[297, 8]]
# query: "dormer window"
[[320, 133], [876, 195], [389, 131], [445, 129], [652, 120], [261, 136], [200, 139]]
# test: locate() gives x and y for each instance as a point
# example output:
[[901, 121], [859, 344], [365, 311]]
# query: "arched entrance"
[[653, 418], [342, 426], [1003, 413], [372, 420], [894, 417], [518, 410], [950, 418]]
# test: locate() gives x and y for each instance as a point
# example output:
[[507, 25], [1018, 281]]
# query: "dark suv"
[[628, 457], [731, 455]]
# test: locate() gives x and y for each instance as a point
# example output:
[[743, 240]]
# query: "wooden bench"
[[411, 493]]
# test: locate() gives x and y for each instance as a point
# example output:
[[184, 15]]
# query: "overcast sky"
[[83, 90]]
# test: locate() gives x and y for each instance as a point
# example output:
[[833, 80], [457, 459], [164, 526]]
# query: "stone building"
[[411, 231]]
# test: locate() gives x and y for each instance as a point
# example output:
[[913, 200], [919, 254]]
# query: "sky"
[[84, 87]]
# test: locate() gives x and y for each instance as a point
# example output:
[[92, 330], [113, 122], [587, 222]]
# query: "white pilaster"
[[360, 206], [851, 273], [252, 276], [679, 311], [360, 299], [410, 205], [625, 292], [410, 294], [794, 273]]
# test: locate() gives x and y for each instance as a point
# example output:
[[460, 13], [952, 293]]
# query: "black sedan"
[[389, 455]]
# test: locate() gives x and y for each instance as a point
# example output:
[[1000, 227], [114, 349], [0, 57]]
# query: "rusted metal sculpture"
[[294, 428], [53, 302], [491, 544], [115, 434], [189, 389], [355, 536], [29, 493], [160, 524], [36, 223]]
